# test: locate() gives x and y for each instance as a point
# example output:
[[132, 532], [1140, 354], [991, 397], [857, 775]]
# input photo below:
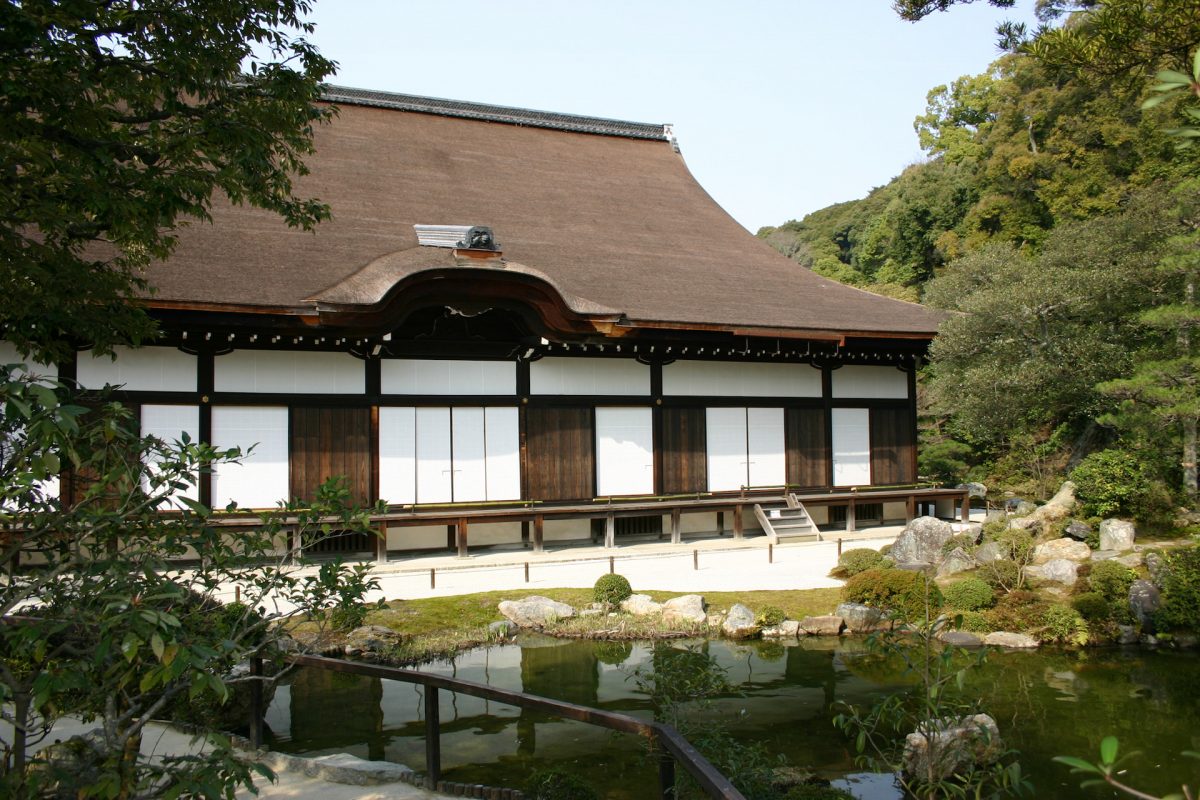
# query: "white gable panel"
[[596, 376], [503, 453], [302, 372], [169, 423], [874, 383], [624, 451], [9, 355], [851, 447], [726, 445], [734, 379], [261, 479], [141, 369], [415, 376], [398, 455], [765, 441]]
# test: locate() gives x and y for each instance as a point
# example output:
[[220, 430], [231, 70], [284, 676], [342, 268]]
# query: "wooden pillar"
[[910, 508], [451, 537], [381, 544], [737, 522], [461, 527], [433, 743], [610, 530], [539, 523], [295, 545], [966, 506], [720, 523], [525, 533], [850, 510], [676, 528]]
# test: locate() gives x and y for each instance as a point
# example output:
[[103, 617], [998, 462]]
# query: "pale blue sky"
[[780, 107]]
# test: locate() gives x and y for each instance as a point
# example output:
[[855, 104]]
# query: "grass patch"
[[438, 627]]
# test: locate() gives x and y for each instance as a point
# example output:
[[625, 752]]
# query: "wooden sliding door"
[[559, 443], [330, 441]]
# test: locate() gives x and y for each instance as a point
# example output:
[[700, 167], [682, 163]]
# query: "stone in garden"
[[592, 612], [953, 746], [739, 622], [1116, 534], [1187, 641], [1144, 600], [1156, 566], [1131, 560], [1015, 641], [501, 629], [862, 619], [1104, 555], [640, 605], [790, 628], [688, 608], [988, 552], [371, 642], [1057, 570], [347, 769], [1063, 548], [974, 490], [827, 625], [960, 638], [1126, 634], [921, 541], [535, 611], [958, 560], [1078, 530]]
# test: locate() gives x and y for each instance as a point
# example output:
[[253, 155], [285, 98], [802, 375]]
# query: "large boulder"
[[1063, 548], [1117, 534], [1144, 600], [988, 552], [921, 541], [952, 747], [740, 623], [862, 619], [1013, 641], [827, 625], [1057, 509], [975, 491], [960, 638], [688, 608], [535, 611], [1156, 565], [640, 605], [1058, 570], [371, 642], [1077, 530], [788, 629], [958, 560]]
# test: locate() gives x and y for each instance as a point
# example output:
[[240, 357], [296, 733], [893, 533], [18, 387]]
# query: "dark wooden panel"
[[561, 454], [893, 443], [807, 453], [330, 441], [684, 455]]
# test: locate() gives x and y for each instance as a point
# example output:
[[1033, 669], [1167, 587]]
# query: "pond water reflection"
[[1046, 703]]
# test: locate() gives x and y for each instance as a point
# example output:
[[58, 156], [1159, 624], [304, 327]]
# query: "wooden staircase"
[[788, 521]]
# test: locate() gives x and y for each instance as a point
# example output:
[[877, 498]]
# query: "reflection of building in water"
[[330, 710], [567, 672]]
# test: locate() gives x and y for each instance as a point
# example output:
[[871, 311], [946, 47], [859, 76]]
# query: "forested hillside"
[[1057, 208]]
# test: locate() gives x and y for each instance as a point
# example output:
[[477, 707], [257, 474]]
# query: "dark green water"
[[1046, 703]]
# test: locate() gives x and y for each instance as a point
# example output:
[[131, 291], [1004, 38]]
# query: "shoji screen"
[[726, 444], [434, 477], [398, 454], [261, 480], [624, 451], [169, 423], [503, 443], [765, 440], [851, 447]]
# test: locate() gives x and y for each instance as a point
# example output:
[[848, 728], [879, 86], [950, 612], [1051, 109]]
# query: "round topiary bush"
[[859, 559], [900, 591], [969, 594], [612, 590], [1181, 590], [1018, 611], [1092, 606], [1111, 580], [1063, 625], [551, 784], [964, 540], [770, 616], [975, 622]]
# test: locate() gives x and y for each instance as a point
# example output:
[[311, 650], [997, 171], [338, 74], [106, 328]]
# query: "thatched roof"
[[604, 211]]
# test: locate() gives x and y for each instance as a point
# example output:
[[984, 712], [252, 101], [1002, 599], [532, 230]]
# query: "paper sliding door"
[[765, 444], [624, 451], [851, 447]]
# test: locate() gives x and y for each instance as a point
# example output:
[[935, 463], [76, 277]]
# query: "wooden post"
[[666, 775], [966, 507], [381, 544], [839, 547], [433, 744], [295, 546], [461, 530], [850, 510], [695, 559], [610, 530], [910, 508], [738, 532], [527, 572], [676, 527], [720, 523], [770, 553], [256, 709], [525, 533], [539, 523], [612, 566], [432, 578]]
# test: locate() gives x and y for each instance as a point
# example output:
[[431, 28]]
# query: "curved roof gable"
[[606, 211]]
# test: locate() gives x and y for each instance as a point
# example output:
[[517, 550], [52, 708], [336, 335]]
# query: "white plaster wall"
[[441, 376], [947, 508], [143, 369], [819, 514], [694, 523], [864, 382], [587, 376], [298, 372], [734, 379], [895, 511], [416, 537], [9, 355], [560, 530], [494, 533]]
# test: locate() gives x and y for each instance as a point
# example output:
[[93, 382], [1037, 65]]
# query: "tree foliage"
[[120, 121]]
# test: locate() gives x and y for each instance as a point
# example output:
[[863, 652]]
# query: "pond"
[[1046, 703]]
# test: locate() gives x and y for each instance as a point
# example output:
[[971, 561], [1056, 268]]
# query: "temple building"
[[521, 328]]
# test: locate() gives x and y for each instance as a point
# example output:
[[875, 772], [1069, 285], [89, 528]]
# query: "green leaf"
[[1108, 750], [1171, 76], [1151, 102], [1078, 764], [1196, 65], [156, 644]]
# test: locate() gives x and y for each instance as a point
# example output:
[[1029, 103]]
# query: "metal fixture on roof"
[[470, 237]]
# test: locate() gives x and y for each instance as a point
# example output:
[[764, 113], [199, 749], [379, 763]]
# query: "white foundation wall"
[[561, 530], [495, 533], [819, 514], [894, 511], [947, 508], [416, 537]]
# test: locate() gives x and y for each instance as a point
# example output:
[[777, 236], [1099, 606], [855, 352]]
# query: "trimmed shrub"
[[612, 590], [975, 622], [1181, 590], [964, 540], [1111, 481], [899, 591], [969, 594], [860, 559], [1017, 611], [1063, 625], [1002, 575], [1111, 580], [770, 616], [886, 549], [551, 784], [1092, 606]]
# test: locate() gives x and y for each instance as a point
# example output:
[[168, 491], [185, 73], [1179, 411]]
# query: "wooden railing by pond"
[[671, 747]]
